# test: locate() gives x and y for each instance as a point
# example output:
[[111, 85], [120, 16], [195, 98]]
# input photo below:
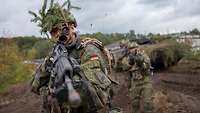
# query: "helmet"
[[72, 19], [131, 45], [124, 43], [57, 18], [54, 17], [128, 44]]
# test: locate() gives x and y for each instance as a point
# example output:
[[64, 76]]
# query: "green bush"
[[12, 68], [167, 53], [106, 38], [26, 43], [42, 48]]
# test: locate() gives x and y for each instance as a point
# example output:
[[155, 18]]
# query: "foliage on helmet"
[[132, 45], [128, 44], [55, 16], [124, 43]]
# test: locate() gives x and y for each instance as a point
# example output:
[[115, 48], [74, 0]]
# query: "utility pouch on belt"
[[137, 76]]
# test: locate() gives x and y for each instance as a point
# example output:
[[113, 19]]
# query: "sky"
[[107, 16]]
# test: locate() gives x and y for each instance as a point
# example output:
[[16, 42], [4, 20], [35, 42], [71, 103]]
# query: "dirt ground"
[[180, 86]]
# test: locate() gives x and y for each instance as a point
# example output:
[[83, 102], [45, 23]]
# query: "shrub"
[[12, 68], [167, 53], [42, 48]]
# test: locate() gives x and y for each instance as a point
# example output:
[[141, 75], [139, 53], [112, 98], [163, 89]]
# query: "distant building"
[[194, 40]]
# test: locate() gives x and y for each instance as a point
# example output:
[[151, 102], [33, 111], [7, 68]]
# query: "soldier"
[[88, 52], [137, 63], [120, 55]]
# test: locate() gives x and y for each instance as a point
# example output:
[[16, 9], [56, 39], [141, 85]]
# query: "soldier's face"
[[55, 34], [134, 50], [72, 34]]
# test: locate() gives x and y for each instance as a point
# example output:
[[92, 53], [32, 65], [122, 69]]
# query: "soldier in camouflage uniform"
[[140, 86], [95, 86]]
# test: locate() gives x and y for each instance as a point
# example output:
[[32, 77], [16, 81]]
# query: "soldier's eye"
[[54, 30]]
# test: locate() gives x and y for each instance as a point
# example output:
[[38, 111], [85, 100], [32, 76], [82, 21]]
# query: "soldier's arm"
[[40, 78], [131, 59], [91, 58], [144, 63], [35, 84], [94, 70], [137, 59]]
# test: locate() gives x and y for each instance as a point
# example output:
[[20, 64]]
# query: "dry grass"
[[166, 53], [161, 103]]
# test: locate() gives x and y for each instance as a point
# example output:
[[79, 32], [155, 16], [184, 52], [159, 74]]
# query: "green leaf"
[[44, 7], [69, 4], [51, 4], [32, 13], [75, 7]]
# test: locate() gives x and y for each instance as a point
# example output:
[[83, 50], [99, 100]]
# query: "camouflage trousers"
[[88, 99], [141, 93], [90, 102], [44, 92]]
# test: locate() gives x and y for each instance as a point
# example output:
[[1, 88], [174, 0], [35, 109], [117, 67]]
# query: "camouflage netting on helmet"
[[128, 44], [54, 17]]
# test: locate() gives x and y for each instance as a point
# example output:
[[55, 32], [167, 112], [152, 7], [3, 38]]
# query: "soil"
[[179, 85]]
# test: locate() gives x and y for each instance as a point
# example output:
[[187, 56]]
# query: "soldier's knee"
[[148, 107], [147, 94], [135, 102], [45, 107]]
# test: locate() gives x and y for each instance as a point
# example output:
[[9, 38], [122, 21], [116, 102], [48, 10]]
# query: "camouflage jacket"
[[136, 62], [94, 65]]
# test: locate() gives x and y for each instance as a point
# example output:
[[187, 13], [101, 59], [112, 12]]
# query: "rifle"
[[61, 69]]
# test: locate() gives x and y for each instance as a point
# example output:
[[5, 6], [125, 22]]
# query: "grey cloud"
[[183, 9], [16, 17], [96, 13], [4, 17], [108, 15], [188, 8], [143, 16], [157, 3]]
